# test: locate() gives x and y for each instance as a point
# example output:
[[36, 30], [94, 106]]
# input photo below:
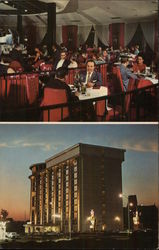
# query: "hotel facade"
[[72, 183]]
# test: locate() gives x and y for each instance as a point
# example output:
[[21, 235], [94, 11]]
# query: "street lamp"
[[129, 205], [117, 220]]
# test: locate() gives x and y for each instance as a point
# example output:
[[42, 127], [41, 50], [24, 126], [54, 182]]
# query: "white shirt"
[[87, 76], [72, 65], [60, 63]]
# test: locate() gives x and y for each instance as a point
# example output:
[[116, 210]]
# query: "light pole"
[[129, 204], [117, 220]]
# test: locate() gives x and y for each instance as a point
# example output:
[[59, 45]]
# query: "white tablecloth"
[[94, 93], [154, 81]]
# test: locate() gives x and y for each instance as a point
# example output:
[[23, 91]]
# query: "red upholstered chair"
[[45, 66], [32, 87], [117, 80], [37, 64], [143, 83], [103, 71], [3, 92], [53, 97], [16, 66], [70, 77], [147, 99], [116, 87], [16, 90], [130, 109]]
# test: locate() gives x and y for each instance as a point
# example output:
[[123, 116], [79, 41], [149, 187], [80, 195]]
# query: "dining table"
[[91, 94]]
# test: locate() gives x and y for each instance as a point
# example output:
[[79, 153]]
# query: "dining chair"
[[53, 97]]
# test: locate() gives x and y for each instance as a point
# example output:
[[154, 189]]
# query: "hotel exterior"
[[70, 184]]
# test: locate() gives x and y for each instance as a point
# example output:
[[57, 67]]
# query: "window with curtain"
[[83, 32], [101, 33], [130, 29], [148, 29]]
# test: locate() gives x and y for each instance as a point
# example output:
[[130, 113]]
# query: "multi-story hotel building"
[[70, 184]]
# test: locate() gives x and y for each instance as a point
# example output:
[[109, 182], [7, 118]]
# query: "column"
[[62, 196], [81, 219], [51, 28], [78, 195], [55, 191], [110, 34], [42, 199], [70, 203], [122, 29], [48, 202], [31, 199]]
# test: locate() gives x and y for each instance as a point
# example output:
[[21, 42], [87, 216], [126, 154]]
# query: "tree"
[[4, 214]]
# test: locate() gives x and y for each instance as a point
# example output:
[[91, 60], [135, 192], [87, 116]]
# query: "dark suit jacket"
[[56, 55], [96, 77], [3, 69], [65, 64], [17, 56]]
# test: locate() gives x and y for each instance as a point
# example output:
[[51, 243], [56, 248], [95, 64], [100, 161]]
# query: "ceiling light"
[[75, 21], [6, 2], [26, 10], [117, 17]]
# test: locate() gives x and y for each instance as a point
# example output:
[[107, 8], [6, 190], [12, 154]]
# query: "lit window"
[[75, 208], [75, 181], [75, 194], [75, 169], [75, 175], [75, 201], [75, 215]]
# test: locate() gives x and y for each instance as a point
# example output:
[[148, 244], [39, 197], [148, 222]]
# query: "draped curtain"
[[122, 35], [101, 33], [130, 29], [64, 34], [110, 34], [148, 29], [156, 36], [83, 32], [69, 36], [58, 34], [40, 33]]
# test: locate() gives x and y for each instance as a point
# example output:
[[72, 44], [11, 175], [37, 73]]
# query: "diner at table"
[[139, 66], [90, 80]]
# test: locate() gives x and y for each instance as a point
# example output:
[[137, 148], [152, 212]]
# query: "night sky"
[[24, 145]]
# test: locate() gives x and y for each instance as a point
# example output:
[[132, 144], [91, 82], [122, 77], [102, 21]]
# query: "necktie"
[[89, 77]]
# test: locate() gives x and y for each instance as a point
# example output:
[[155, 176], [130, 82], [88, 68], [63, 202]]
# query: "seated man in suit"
[[59, 82], [62, 62], [125, 72], [90, 76]]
